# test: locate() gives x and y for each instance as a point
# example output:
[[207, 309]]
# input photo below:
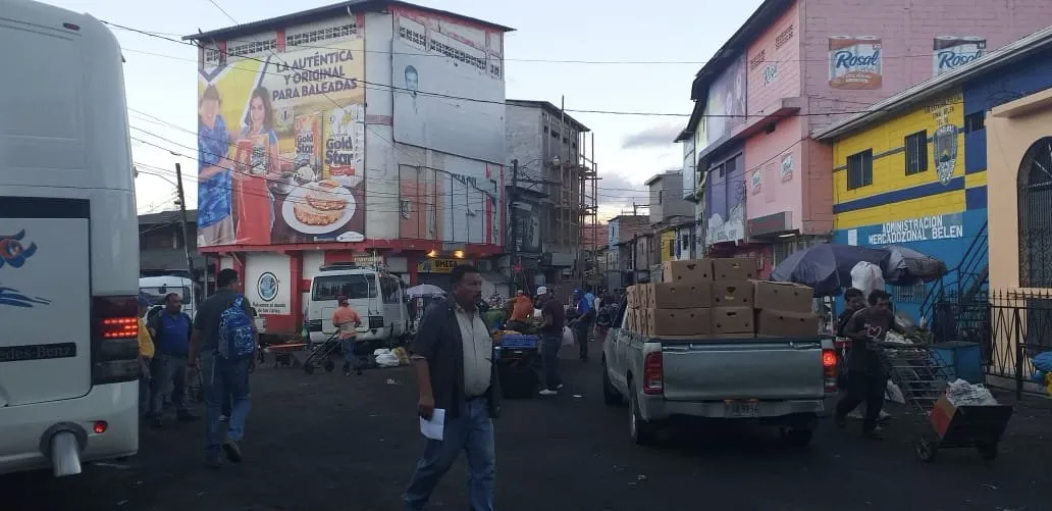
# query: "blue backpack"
[[237, 340]]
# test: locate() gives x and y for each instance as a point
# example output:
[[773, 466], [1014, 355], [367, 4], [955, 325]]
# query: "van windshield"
[[351, 286]]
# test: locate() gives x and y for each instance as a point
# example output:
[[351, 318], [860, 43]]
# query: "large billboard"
[[725, 109], [281, 146], [448, 81]]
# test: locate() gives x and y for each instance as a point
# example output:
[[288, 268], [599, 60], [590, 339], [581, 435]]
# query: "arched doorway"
[[1035, 216]]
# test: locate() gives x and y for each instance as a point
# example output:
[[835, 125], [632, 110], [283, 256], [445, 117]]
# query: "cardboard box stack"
[[719, 298], [784, 309]]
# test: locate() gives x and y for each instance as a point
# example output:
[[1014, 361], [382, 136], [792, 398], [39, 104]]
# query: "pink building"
[[762, 184]]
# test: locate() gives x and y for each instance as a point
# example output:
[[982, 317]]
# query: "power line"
[[525, 60], [495, 102]]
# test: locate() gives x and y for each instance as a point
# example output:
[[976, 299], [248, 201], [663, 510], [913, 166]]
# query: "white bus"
[[69, 264]]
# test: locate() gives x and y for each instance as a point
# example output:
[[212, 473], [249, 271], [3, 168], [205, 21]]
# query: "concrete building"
[[796, 66], [919, 170], [629, 250], [161, 249], [671, 219], [550, 149], [366, 130]]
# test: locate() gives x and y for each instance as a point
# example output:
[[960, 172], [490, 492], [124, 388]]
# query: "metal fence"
[[1010, 326]]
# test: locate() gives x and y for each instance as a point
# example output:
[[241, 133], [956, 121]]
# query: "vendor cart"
[[518, 361], [923, 378]]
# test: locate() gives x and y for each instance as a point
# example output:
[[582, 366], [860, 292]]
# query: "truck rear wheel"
[[643, 432]]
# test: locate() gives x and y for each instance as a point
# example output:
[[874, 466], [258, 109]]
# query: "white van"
[[378, 297], [156, 288], [69, 247]]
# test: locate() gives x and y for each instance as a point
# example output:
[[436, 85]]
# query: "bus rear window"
[[351, 286]]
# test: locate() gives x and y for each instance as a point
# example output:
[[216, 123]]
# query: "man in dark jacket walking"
[[453, 356]]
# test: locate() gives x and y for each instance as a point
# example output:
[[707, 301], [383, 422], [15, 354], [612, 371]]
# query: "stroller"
[[321, 355]]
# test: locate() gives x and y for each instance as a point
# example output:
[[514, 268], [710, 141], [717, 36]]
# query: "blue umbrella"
[[827, 267]]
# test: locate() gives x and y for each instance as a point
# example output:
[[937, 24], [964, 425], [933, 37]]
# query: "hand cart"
[[923, 379], [283, 354], [321, 355]]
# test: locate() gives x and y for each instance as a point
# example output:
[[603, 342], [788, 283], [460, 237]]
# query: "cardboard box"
[[783, 296], [738, 268], [786, 323], [678, 322], [732, 293], [732, 320], [630, 320], [687, 272], [632, 293], [670, 295]]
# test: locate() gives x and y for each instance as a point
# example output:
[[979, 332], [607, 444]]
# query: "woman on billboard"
[[257, 162]]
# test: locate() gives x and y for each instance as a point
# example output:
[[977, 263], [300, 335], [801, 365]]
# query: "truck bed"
[[764, 368]]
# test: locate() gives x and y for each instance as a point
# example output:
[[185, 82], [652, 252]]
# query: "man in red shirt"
[[347, 321]]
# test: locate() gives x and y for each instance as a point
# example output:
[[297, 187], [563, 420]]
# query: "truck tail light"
[[829, 366], [652, 377], [114, 339]]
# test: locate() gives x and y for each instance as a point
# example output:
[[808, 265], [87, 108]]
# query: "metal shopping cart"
[[922, 378]]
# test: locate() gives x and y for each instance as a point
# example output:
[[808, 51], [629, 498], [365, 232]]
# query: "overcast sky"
[[161, 75]]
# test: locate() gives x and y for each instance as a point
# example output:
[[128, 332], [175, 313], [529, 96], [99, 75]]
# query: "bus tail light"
[[114, 339]]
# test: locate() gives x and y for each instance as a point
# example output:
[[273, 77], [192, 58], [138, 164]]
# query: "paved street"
[[330, 442]]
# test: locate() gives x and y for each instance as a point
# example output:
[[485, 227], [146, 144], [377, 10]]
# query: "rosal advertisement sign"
[[281, 146], [951, 52], [856, 62]]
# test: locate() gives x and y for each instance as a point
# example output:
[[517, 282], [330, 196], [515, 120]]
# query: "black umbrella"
[[827, 267], [906, 267]]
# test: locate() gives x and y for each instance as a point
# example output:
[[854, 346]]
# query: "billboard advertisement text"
[[281, 147], [448, 82]]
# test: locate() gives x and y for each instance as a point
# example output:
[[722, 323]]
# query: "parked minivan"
[[377, 296]]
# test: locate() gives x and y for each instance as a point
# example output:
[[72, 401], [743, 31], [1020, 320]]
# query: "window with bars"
[[322, 34], [917, 153], [252, 48], [860, 170]]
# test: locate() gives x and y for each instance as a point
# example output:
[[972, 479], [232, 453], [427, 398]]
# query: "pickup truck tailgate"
[[708, 370]]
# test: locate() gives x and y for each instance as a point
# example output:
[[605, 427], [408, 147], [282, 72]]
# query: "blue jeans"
[[472, 432], [144, 392], [224, 378], [550, 360], [350, 360]]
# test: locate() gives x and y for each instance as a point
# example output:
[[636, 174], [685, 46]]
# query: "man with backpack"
[[171, 330], [225, 337]]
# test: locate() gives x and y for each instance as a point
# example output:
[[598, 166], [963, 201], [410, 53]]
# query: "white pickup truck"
[[784, 381]]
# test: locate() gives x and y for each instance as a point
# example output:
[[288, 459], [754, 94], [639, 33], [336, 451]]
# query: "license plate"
[[741, 409]]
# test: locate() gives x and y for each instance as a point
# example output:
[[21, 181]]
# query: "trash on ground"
[[962, 393]]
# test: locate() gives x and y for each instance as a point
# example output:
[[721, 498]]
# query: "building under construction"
[[553, 194]]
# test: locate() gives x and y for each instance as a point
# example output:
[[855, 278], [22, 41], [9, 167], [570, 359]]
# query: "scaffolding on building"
[[579, 205]]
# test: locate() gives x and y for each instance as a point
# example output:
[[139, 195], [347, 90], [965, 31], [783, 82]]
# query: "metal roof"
[[549, 107], [939, 85], [323, 12]]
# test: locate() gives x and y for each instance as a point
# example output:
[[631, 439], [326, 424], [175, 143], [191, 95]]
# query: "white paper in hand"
[[433, 429]]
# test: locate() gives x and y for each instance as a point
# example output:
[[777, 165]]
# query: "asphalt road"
[[327, 441]]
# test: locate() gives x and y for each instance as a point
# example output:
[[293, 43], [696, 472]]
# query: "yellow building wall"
[[891, 186], [668, 245]]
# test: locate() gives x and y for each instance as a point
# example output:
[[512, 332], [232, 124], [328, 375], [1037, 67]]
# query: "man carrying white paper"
[[459, 394]]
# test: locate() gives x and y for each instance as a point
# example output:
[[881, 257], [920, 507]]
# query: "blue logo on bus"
[[14, 253]]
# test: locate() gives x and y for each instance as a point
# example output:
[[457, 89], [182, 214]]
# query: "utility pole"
[[186, 235], [514, 217]]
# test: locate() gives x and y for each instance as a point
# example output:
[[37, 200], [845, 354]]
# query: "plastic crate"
[[519, 341]]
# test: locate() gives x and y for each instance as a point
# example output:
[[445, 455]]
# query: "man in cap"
[[347, 321], [553, 319]]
